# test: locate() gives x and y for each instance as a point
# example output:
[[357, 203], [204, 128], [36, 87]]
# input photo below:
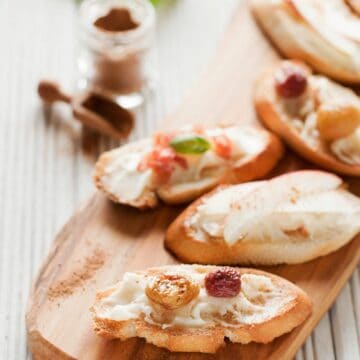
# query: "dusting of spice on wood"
[[78, 277]]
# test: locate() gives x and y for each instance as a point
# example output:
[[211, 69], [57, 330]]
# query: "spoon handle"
[[49, 91]]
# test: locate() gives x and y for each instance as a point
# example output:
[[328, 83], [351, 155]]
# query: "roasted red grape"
[[224, 282], [290, 81]]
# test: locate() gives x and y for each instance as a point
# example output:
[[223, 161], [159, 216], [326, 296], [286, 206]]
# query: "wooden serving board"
[[102, 240]]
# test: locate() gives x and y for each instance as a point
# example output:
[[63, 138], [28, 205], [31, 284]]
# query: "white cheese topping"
[[335, 22], [210, 216], [315, 217], [244, 141], [330, 32], [125, 181], [294, 208], [259, 300], [121, 176], [301, 113]]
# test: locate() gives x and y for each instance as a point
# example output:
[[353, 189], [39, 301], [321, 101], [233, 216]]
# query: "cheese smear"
[[302, 115], [125, 181], [209, 218], [324, 29], [259, 300], [282, 213], [122, 177]]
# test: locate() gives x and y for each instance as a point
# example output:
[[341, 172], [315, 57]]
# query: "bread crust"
[[180, 240], [148, 200], [210, 339], [275, 122], [324, 64], [246, 169]]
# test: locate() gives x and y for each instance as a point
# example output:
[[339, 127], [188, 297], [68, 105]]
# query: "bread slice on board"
[[322, 125], [172, 307], [290, 219], [144, 172], [325, 34]]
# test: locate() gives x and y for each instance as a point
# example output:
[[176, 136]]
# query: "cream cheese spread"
[[259, 300], [286, 212], [123, 179]]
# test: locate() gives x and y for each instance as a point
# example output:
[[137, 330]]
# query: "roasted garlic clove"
[[335, 121], [171, 291], [348, 149]]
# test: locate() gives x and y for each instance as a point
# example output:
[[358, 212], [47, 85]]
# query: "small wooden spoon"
[[92, 109]]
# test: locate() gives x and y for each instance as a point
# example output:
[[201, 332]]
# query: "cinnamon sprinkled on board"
[[67, 287]]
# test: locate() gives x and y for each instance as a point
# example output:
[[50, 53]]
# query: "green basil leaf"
[[190, 144]]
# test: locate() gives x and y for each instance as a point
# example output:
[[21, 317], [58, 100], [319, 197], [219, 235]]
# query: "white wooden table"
[[46, 165]]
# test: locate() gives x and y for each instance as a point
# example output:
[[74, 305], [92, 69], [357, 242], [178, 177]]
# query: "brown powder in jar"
[[119, 72], [117, 19], [67, 287]]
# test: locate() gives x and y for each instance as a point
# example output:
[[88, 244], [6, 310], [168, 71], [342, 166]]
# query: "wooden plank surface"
[[111, 239], [46, 165]]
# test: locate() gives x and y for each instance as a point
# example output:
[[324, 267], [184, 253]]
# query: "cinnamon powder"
[[119, 72], [117, 19], [77, 279]]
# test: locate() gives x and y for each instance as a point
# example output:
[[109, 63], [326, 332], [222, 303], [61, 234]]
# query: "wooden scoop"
[[92, 109]]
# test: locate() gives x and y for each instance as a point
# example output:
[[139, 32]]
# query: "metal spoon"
[[92, 109]]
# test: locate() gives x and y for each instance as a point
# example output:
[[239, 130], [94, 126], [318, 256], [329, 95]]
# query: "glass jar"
[[117, 55]]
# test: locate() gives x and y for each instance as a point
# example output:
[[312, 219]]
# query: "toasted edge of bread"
[[209, 339], [273, 120], [180, 241], [246, 169], [147, 201], [287, 47]]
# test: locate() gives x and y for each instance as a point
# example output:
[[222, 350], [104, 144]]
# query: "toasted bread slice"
[[304, 126], [325, 34], [290, 219], [266, 307], [120, 173]]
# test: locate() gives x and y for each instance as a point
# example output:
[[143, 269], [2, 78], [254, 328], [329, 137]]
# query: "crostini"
[[317, 117], [292, 218], [192, 308], [179, 166], [325, 34]]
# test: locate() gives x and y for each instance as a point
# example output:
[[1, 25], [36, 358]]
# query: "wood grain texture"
[[132, 240], [47, 163]]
